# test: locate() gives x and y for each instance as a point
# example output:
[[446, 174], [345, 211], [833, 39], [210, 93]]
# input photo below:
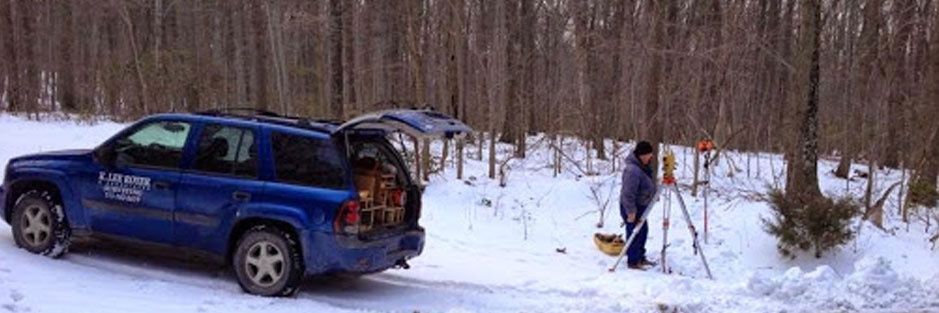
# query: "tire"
[[39, 224], [267, 262]]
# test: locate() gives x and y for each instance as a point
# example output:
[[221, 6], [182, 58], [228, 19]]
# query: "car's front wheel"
[[39, 224], [267, 262]]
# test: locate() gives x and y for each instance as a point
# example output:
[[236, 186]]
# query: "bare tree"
[[665, 71], [803, 163]]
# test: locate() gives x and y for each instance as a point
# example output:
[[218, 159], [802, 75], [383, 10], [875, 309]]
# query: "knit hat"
[[644, 147]]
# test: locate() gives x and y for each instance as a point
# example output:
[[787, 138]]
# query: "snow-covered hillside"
[[495, 249]]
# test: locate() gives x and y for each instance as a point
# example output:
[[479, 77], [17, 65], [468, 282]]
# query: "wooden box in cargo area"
[[367, 180], [377, 208]]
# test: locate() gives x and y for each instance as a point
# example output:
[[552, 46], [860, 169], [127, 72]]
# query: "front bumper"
[[3, 202], [331, 253]]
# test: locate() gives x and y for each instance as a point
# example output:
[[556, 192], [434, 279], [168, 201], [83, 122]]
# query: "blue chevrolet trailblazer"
[[275, 197]]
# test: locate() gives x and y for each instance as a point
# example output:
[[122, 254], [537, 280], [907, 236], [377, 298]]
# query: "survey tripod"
[[667, 189]]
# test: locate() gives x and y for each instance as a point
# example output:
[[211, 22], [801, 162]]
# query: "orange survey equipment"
[[705, 145]]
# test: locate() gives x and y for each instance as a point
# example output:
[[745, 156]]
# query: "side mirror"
[[106, 156]]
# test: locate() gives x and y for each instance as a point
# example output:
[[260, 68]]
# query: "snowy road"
[[105, 278]]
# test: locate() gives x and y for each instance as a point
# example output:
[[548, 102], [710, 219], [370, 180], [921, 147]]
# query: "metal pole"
[[642, 223], [666, 213], [694, 233], [707, 187]]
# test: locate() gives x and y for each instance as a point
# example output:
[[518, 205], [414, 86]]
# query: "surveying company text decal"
[[121, 187]]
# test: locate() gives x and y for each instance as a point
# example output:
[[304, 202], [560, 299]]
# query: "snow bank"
[[873, 284]]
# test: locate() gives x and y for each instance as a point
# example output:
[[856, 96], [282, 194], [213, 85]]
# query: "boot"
[[646, 262], [637, 267]]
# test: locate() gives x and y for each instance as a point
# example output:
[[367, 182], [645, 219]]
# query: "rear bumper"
[[330, 253]]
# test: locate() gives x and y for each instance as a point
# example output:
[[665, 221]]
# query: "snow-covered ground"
[[495, 249]]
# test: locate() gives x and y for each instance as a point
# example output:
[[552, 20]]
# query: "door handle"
[[241, 196], [161, 185]]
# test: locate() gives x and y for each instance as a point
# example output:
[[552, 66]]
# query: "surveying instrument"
[[667, 189]]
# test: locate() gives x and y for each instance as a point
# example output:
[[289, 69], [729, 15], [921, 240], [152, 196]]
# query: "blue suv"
[[275, 197]]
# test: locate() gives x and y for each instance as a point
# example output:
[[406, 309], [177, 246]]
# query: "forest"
[[852, 79]]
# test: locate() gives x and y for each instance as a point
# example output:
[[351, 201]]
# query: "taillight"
[[348, 217], [351, 209]]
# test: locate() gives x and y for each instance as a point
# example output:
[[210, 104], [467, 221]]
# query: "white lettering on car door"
[[121, 187]]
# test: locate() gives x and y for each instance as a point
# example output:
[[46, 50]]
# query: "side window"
[[226, 150], [307, 161], [156, 144]]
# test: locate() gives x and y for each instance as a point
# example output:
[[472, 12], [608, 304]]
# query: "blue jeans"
[[637, 250]]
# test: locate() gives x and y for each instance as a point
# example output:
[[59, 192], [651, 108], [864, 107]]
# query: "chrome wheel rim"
[[264, 264], [36, 223]]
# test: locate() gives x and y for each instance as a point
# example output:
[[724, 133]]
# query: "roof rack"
[[255, 111], [328, 121], [301, 121], [271, 117]]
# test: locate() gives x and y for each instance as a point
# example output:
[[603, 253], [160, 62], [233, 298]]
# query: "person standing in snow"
[[637, 193]]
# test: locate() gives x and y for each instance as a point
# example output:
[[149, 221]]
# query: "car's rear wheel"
[[39, 224], [267, 262]]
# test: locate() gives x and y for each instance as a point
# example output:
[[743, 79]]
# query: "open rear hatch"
[[417, 123], [388, 199]]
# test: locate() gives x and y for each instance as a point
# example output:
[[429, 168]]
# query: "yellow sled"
[[611, 244]]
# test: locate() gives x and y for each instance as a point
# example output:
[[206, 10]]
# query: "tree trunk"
[[348, 55], [238, 57], [844, 167], [651, 128], [871, 176], [460, 143], [418, 164], [261, 63], [142, 93], [30, 83], [14, 87], [334, 42], [527, 91], [697, 173], [929, 169], [66, 86], [803, 178], [510, 119]]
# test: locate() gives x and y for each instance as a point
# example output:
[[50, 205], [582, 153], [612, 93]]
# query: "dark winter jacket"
[[638, 187]]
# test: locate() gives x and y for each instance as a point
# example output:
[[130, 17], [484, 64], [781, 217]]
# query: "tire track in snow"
[[390, 292]]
